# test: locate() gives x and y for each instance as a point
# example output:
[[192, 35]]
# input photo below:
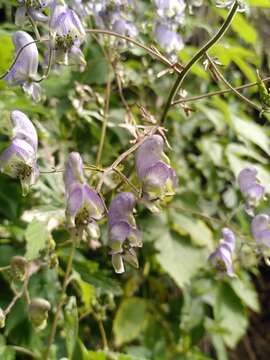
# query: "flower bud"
[[38, 312], [2, 318], [18, 268]]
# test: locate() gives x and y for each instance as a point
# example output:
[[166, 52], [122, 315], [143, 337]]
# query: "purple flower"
[[250, 188], [125, 27], [168, 9], [221, 258], [68, 33], [123, 233], [84, 205], [82, 7], [153, 169], [260, 228], [33, 8], [24, 71], [19, 160], [168, 39]]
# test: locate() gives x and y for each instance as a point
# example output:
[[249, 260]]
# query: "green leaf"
[[199, 232], [130, 320], [230, 314], [245, 290], [6, 352], [180, 259], [36, 236], [71, 325]]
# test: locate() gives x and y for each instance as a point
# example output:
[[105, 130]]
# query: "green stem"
[[61, 301], [105, 119], [196, 58], [226, 82], [214, 93]]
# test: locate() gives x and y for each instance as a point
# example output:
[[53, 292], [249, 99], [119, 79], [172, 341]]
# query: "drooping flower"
[[19, 160], [125, 27], [260, 228], [221, 258], [84, 206], [38, 309], [168, 39], [123, 233], [68, 34], [24, 71], [33, 9], [251, 189], [82, 7], [153, 169]]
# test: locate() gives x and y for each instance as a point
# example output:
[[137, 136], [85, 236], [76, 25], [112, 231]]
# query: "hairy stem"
[[196, 58], [61, 301]]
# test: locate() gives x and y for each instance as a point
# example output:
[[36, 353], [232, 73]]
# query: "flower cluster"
[[19, 160], [33, 9], [221, 258], [170, 15], [154, 170]]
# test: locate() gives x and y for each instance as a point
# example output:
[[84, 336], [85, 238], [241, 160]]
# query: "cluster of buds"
[[19, 160], [84, 205]]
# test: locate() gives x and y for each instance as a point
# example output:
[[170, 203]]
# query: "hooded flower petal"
[[125, 27], [168, 9], [19, 159], [250, 188], [123, 233], [168, 39], [73, 171], [260, 227], [221, 258], [24, 71]]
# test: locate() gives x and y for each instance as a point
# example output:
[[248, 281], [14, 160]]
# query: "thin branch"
[[179, 81], [61, 301], [226, 82], [102, 332], [25, 351]]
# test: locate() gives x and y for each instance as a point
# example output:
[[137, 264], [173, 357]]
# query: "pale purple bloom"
[[82, 7], [123, 233], [171, 9], [125, 27], [260, 228], [33, 8], [84, 205], [24, 71], [19, 160], [68, 33], [158, 178], [168, 39], [221, 258], [250, 187]]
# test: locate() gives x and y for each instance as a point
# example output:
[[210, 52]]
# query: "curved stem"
[[137, 43], [219, 92], [226, 82], [197, 57], [61, 301]]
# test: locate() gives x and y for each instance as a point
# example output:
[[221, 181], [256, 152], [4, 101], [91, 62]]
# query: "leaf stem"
[[196, 58]]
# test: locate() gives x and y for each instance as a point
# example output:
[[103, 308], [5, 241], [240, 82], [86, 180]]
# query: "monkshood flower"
[[68, 34], [125, 27], [221, 258], [24, 71], [82, 7], [106, 12], [123, 233], [84, 205], [19, 160], [171, 9], [260, 228], [153, 169], [168, 39], [33, 9], [251, 189], [229, 4]]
